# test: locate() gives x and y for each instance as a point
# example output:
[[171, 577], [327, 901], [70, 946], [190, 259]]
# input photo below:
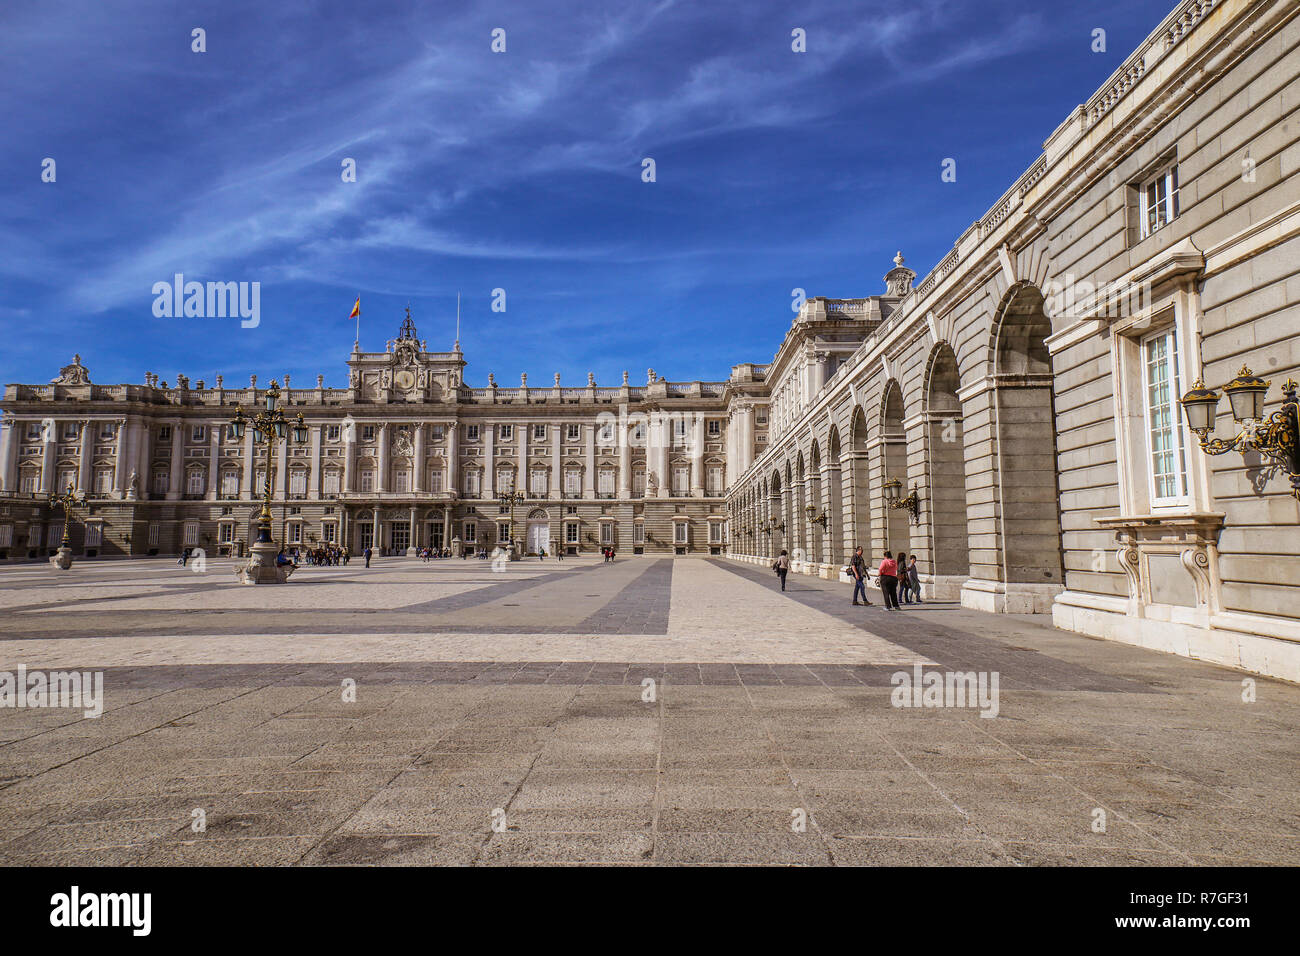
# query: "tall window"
[[226, 533], [539, 433], [198, 433], [471, 482], [1158, 200], [574, 432], [681, 479], [681, 532], [505, 432], [160, 482], [607, 533], [230, 484], [435, 481], [331, 482], [1165, 444], [298, 483], [190, 534], [367, 481], [537, 484], [572, 481], [195, 486], [505, 481], [606, 478], [331, 432], [638, 483], [471, 433], [714, 480], [401, 481], [570, 532]]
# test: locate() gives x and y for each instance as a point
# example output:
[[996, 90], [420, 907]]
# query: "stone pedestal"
[[261, 568], [63, 559]]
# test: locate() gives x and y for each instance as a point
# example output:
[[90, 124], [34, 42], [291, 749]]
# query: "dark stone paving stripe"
[[952, 649], [640, 608]]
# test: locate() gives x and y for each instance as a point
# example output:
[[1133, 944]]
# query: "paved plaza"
[[506, 718]]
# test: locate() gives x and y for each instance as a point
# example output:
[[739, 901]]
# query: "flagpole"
[[357, 343], [458, 321]]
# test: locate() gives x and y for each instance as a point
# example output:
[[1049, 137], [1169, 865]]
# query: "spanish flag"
[[356, 309]]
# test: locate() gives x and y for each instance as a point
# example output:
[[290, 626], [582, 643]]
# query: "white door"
[[537, 537]]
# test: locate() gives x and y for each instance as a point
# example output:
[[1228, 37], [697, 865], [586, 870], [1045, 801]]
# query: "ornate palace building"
[[1012, 419], [407, 456]]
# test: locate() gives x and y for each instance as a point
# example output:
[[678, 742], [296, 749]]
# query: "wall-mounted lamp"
[[814, 517], [912, 503], [1276, 437]]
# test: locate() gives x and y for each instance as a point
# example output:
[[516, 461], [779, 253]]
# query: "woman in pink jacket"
[[889, 581]]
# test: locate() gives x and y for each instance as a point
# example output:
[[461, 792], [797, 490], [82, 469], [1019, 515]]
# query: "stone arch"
[[858, 489], [893, 439], [839, 525], [946, 479], [1029, 529], [817, 537]]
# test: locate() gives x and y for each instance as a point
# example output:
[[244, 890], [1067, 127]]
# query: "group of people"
[[329, 555], [896, 578], [607, 554], [428, 554]]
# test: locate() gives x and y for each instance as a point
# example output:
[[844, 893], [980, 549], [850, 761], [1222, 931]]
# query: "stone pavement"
[[503, 718]]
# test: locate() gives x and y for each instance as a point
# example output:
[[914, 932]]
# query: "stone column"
[[557, 477], [85, 480], [49, 440], [9, 454], [176, 475], [314, 479], [662, 432], [453, 469], [349, 459], [410, 535], [624, 456], [489, 466], [381, 468], [417, 464], [374, 532], [121, 458], [246, 491], [282, 467], [214, 461], [521, 472], [697, 456], [589, 472]]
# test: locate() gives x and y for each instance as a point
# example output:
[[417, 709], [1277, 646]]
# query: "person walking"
[[368, 553], [889, 581], [541, 553], [914, 579], [782, 566], [858, 571], [904, 583]]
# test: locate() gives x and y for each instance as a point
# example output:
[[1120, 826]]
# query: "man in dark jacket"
[[858, 570]]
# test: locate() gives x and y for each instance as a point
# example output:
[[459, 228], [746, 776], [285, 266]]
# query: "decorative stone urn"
[[62, 559]]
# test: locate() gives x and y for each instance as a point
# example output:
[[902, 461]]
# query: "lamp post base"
[[62, 559], [261, 568]]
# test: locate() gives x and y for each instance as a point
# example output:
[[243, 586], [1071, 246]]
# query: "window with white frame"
[[1158, 200], [153, 534], [331, 482], [35, 534], [198, 433], [638, 533], [435, 481], [298, 482], [190, 534], [638, 482], [570, 532], [6, 535], [161, 480], [537, 483], [230, 484], [295, 532], [471, 433], [681, 479], [539, 433], [574, 432], [681, 532], [226, 532], [106, 430], [572, 481], [714, 479], [367, 432], [1166, 448], [69, 431], [165, 433], [506, 432], [329, 532], [471, 482], [27, 484], [606, 434], [332, 432], [401, 481], [103, 481], [367, 480], [438, 433], [606, 479], [503, 532], [607, 533], [505, 480], [715, 428], [471, 532], [194, 484], [715, 532]]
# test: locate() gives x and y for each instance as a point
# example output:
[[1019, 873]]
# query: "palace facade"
[[1012, 419]]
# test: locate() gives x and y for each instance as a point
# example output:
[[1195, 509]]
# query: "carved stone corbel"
[[1197, 563]]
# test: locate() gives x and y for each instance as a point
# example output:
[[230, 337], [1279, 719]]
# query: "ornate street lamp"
[[912, 503], [508, 500], [1277, 438], [814, 517], [71, 501], [261, 567]]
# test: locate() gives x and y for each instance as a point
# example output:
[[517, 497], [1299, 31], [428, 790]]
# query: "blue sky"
[[519, 170]]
